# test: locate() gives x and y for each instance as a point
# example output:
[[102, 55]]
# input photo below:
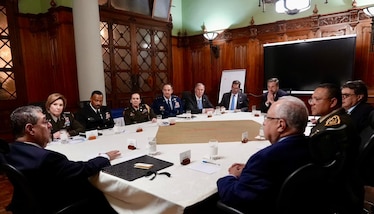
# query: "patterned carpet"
[[6, 191]]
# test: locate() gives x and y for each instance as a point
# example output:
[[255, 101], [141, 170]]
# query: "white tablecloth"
[[184, 188]]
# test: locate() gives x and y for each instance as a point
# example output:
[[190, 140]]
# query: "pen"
[[204, 161]]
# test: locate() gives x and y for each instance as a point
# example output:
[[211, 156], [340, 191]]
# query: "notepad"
[[143, 165]]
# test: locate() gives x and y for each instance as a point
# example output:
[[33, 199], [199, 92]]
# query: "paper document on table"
[[77, 139], [204, 167]]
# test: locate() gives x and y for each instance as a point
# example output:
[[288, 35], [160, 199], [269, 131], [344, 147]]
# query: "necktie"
[[232, 107], [199, 104], [170, 105], [98, 113]]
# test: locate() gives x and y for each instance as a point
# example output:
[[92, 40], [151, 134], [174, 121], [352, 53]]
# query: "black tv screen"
[[301, 65]]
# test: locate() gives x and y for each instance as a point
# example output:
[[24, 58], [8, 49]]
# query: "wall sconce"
[[292, 7], [210, 36], [370, 12]]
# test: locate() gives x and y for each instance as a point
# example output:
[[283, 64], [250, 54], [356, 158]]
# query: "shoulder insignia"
[[335, 120]]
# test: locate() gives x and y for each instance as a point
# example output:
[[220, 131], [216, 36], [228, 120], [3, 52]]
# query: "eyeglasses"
[[315, 100], [346, 95], [271, 118]]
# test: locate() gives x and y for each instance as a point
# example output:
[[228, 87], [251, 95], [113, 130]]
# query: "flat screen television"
[[301, 65]]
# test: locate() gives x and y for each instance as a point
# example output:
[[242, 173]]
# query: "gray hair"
[[199, 84], [22, 116], [294, 111], [276, 80]]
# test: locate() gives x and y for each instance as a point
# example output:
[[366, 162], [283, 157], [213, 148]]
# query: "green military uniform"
[[143, 114], [65, 121]]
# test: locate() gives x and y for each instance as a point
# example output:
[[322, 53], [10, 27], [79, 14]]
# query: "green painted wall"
[[40, 6], [223, 14], [189, 15]]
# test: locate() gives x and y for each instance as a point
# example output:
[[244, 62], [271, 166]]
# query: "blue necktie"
[[170, 106], [232, 107], [199, 104]]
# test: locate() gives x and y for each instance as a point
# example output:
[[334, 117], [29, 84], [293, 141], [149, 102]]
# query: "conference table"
[[187, 185]]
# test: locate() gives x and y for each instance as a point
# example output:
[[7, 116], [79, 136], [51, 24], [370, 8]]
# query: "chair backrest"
[[184, 97], [308, 189], [367, 132], [21, 191], [365, 162], [329, 146]]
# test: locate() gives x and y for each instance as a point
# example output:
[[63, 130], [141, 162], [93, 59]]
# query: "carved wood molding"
[[312, 23], [49, 21]]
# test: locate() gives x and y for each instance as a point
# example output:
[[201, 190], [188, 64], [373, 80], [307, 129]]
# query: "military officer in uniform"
[[326, 102], [167, 105], [94, 115], [60, 120], [138, 112]]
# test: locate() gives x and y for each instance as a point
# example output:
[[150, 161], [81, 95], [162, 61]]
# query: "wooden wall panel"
[[48, 52], [242, 48], [35, 61]]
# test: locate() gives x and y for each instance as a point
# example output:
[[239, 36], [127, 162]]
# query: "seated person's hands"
[[56, 135], [113, 154], [205, 110], [236, 169], [154, 120]]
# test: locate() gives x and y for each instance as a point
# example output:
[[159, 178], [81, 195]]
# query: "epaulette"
[[333, 121]]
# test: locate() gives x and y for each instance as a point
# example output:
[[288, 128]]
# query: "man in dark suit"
[[355, 96], [253, 187], [326, 102], [235, 99], [198, 102], [167, 105], [55, 181], [94, 115], [272, 94]]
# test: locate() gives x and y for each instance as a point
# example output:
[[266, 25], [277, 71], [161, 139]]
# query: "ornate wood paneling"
[[242, 47], [137, 55], [48, 50]]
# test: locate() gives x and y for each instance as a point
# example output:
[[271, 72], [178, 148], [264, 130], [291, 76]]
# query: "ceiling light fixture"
[[292, 7]]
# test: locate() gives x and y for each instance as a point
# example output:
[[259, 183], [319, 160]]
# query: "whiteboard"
[[226, 80]]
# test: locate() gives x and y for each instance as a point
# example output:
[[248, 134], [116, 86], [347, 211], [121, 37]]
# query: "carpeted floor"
[[6, 191]]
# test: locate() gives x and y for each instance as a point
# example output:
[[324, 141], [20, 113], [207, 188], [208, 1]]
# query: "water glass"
[[152, 146], [213, 148], [64, 136]]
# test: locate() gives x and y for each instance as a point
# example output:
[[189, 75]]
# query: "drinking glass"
[[152, 146], [64, 136], [213, 148]]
